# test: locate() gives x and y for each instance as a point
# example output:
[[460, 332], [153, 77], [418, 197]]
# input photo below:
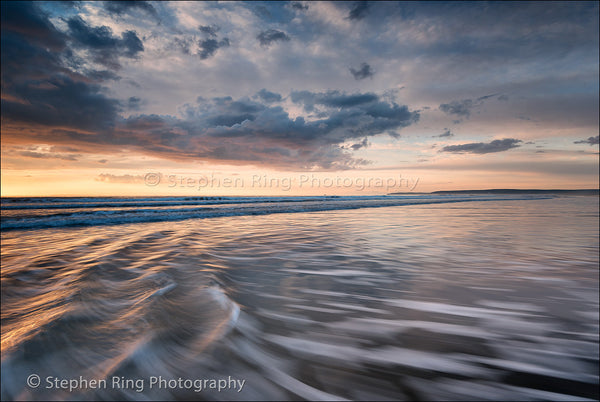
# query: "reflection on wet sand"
[[490, 300]]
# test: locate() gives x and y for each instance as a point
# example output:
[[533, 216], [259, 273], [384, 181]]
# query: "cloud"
[[362, 73], [28, 21], [345, 116], [125, 178], [31, 45], [249, 125], [209, 30], [230, 120], [262, 12], [331, 99], [38, 87], [482, 147], [131, 44], [208, 47], [240, 131], [183, 43], [104, 48], [590, 141], [123, 7], [266, 38], [463, 108], [64, 78], [61, 101], [42, 155], [359, 11], [482, 98], [363, 144], [102, 75], [252, 131], [268, 96], [133, 103], [446, 134], [299, 6], [460, 108]]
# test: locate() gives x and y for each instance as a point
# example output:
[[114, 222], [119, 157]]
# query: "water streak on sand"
[[480, 300]]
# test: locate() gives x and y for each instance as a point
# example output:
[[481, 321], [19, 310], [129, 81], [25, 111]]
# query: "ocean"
[[406, 297]]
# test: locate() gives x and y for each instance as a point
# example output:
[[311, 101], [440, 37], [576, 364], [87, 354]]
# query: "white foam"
[[111, 211]]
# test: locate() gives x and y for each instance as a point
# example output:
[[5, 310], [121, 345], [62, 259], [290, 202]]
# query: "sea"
[[396, 297]]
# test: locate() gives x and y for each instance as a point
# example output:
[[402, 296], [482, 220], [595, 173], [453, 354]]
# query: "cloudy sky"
[[449, 95]]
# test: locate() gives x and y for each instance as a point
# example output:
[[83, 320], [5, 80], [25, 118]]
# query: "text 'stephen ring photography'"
[[299, 200]]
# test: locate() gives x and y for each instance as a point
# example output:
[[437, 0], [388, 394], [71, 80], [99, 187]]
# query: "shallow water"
[[461, 301]]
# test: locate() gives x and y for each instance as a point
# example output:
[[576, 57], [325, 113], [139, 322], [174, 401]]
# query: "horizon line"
[[496, 190]]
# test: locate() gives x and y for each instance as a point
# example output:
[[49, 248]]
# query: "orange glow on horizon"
[[269, 183]]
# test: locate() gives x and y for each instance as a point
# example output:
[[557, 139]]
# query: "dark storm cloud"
[[359, 11], [31, 45], [24, 59], [61, 101], [272, 35], [210, 30], [46, 87], [123, 7], [236, 106], [131, 44], [105, 48], [38, 87], [590, 141], [226, 129], [27, 20], [358, 118], [268, 96], [208, 47], [299, 6], [362, 114], [331, 99], [230, 120], [482, 147], [245, 130], [363, 72]]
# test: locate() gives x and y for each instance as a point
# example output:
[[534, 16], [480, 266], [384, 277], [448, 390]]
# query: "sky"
[[296, 98]]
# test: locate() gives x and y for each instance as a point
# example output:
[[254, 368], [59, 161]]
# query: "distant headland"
[[511, 191]]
